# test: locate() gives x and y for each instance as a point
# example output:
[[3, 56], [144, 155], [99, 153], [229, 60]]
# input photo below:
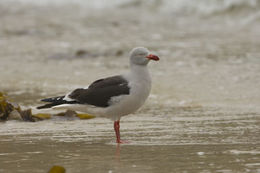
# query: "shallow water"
[[203, 114]]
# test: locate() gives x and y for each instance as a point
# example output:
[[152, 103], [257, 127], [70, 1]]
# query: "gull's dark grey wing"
[[97, 94], [101, 91], [110, 81]]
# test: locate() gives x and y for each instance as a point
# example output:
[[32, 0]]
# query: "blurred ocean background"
[[203, 113]]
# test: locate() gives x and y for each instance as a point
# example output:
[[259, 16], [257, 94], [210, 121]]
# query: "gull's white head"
[[141, 56]]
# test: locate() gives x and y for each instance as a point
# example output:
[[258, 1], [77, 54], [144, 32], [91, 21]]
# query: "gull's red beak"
[[153, 57]]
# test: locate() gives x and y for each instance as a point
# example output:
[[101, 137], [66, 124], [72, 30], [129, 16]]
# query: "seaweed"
[[70, 113], [57, 169], [42, 116], [85, 116], [5, 107], [27, 115]]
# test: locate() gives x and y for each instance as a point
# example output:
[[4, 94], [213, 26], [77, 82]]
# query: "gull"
[[111, 97]]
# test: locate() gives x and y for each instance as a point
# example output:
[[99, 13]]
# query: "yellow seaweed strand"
[[85, 116]]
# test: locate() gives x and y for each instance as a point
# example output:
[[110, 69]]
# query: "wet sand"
[[84, 157], [183, 140], [203, 114]]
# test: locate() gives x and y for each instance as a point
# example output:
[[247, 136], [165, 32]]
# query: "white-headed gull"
[[111, 97]]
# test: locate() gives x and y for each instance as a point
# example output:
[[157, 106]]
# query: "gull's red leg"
[[117, 131]]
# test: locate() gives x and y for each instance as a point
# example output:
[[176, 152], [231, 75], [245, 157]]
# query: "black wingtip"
[[53, 99], [46, 106], [46, 100]]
